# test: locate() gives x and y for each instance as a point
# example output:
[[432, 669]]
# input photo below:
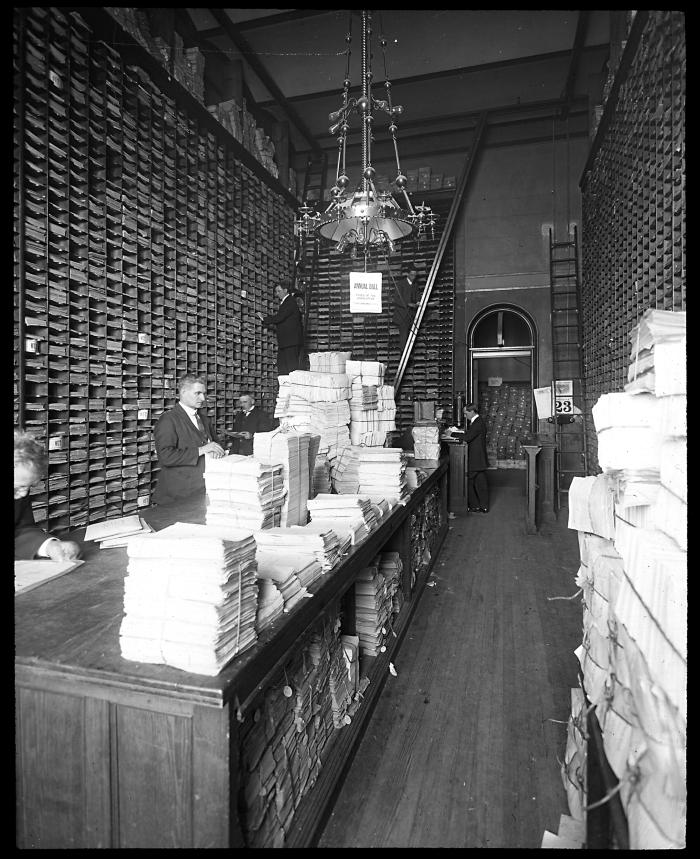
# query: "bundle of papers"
[[659, 352], [426, 433], [343, 538], [333, 506], [367, 372], [591, 506], [296, 543], [382, 471], [283, 395], [190, 597], [321, 475], [330, 421], [243, 492], [275, 568], [116, 532], [289, 449], [425, 450], [308, 573], [328, 362], [385, 401], [390, 565], [414, 476], [270, 604], [319, 387], [373, 606], [363, 398], [350, 530]]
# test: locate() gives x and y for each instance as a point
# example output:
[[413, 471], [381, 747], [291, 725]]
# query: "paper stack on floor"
[[243, 493], [190, 597], [289, 449], [373, 605]]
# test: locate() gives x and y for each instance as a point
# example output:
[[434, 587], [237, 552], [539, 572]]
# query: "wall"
[[515, 195]]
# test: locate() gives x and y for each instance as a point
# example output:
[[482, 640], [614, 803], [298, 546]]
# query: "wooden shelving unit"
[[633, 186], [370, 337], [146, 238]]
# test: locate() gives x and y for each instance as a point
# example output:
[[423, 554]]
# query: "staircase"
[[569, 418]]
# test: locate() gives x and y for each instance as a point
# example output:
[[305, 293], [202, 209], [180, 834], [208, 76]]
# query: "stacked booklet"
[[115, 533], [190, 597], [298, 544]]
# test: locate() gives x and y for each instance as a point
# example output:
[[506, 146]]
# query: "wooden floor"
[[461, 750]]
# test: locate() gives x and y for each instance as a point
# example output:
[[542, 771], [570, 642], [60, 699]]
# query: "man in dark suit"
[[183, 437], [247, 422], [477, 461], [31, 541], [405, 303], [290, 330]]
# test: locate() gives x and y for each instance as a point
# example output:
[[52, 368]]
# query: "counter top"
[[70, 626]]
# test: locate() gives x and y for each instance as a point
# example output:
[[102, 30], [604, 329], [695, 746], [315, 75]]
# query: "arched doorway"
[[501, 374]]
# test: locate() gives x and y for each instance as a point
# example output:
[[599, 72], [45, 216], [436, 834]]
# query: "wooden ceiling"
[[525, 67]]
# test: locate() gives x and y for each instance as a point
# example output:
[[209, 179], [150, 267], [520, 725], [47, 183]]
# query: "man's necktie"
[[200, 423]]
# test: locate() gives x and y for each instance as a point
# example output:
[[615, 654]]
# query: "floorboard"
[[463, 746]]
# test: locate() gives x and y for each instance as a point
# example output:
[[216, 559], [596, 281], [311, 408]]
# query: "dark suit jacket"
[[256, 421], [28, 535], [287, 320], [475, 437], [181, 467], [405, 293]]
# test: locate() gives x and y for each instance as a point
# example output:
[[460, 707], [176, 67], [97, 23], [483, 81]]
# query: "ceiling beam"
[[448, 73], [253, 61], [579, 41], [266, 21]]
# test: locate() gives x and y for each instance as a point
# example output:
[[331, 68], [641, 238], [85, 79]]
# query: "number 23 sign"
[[563, 397]]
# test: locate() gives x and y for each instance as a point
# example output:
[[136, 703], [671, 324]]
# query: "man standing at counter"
[[183, 437]]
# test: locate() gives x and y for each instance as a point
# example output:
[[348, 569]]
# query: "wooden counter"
[[115, 753]]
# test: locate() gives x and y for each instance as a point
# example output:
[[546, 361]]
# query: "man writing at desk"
[[30, 540], [183, 437]]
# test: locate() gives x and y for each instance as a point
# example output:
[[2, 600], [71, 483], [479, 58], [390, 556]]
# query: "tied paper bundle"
[[298, 543], [364, 398], [243, 493], [283, 396], [373, 606], [390, 565], [366, 372], [284, 575], [339, 543], [330, 421], [328, 362], [382, 471], [309, 572], [659, 353], [289, 449], [319, 387], [190, 597], [385, 402], [321, 476], [628, 434]]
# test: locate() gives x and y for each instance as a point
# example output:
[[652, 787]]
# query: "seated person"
[[247, 422], [183, 437], [31, 541]]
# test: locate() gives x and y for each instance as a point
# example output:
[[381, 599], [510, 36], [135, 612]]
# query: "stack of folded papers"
[[270, 604], [333, 506], [658, 360], [243, 493], [276, 569], [298, 544], [190, 597], [116, 532], [372, 471]]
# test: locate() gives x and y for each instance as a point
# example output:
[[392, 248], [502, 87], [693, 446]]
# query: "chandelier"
[[367, 216]]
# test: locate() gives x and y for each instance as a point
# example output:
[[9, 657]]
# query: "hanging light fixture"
[[368, 216]]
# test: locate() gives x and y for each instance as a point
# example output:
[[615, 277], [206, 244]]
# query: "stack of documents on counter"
[[659, 352], [290, 449], [309, 572], [275, 568], [243, 493], [350, 531], [333, 506], [116, 532], [190, 597], [299, 542], [382, 471]]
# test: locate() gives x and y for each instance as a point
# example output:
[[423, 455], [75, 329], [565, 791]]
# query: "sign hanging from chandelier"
[[368, 216]]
